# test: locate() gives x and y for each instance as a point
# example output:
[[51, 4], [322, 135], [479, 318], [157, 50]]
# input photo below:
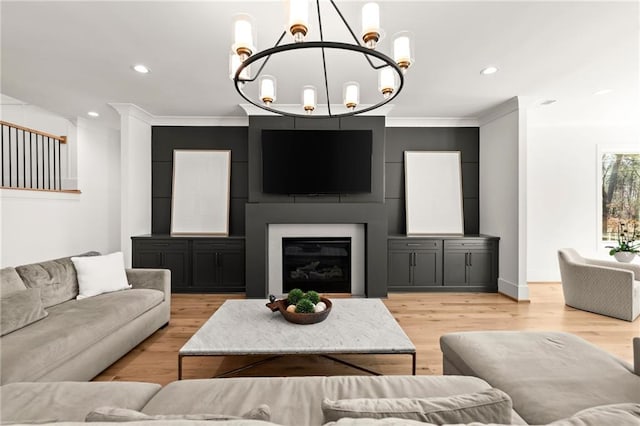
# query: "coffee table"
[[248, 327]]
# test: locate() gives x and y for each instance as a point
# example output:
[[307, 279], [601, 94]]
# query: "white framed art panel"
[[200, 195], [433, 192]]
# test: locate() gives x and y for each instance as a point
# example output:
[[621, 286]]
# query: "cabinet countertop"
[[443, 237], [190, 236]]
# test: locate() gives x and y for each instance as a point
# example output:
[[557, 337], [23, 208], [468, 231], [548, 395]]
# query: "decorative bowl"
[[299, 318]]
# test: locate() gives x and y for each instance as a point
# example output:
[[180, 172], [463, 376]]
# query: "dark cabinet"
[[471, 264], [165, 254], [218, 265], [414, 264], [197, 264], [443, 264]]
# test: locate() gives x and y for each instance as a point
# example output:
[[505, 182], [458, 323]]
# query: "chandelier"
[[390, 71]]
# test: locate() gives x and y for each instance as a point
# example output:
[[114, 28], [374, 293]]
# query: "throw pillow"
[[488, 406], [100, 274], [10, 281], [19, 309], [115, 414]]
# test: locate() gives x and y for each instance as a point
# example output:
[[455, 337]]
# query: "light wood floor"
[[423, 316]]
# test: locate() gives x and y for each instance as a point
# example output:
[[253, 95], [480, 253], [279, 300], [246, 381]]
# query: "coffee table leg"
[[179, 367], [413, 362]]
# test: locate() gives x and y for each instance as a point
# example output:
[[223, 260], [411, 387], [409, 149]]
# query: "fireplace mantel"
[[260, 215]]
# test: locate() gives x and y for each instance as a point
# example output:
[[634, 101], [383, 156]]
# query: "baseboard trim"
[[513, 291]]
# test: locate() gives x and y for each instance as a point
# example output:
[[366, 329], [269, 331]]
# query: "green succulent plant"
[[305, 306], [313, 296], [295, 296]]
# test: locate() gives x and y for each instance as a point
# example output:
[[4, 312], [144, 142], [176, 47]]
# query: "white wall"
[[135, 173], [501, 197], [38, 226], [563, 188]]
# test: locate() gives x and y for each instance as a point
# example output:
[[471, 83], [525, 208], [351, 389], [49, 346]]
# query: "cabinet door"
[[399, 268], [231, 270], [166, 254], [481, 268], [455, 268], [147, 259], [177, 262], [205, 266], [427, 268]]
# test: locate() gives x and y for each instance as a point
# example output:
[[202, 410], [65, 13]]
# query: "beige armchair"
[[600, 286]]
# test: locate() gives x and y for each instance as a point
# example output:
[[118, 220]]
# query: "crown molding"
[[499, 111], [252, 110], [170, 120], [132, 110], [431, 122]]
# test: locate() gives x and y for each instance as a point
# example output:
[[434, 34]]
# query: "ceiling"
[[76, 56]]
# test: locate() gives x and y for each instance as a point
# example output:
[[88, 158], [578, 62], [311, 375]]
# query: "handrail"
[[62, 139], [30, 158]]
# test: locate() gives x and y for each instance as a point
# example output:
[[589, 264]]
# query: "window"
[[620, 190]]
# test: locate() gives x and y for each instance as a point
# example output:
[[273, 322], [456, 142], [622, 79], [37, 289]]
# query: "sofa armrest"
[[617, 265], [156, 279]]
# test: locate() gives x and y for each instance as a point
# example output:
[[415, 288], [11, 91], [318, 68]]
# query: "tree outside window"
[[620, 192]]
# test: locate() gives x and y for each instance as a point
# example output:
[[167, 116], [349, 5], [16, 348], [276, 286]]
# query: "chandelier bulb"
[[387, 92], [299, 32], [371, 40], [309, 109], [371, 25]]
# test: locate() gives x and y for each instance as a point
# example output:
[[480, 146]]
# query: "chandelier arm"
[[242, 66], [324, 62]]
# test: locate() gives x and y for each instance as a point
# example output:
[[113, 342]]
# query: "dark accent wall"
[[400, 139], [382, 211], [167, 138]]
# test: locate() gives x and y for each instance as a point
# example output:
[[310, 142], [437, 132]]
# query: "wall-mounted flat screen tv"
[[306, 162]]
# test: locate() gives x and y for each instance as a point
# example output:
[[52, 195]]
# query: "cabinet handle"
[[466, 259], [415, 259], [470, 259], [414, 244], [218, 259], [160, 244]]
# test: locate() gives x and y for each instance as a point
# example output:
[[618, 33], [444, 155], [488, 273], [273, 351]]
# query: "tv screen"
[[316, 161]]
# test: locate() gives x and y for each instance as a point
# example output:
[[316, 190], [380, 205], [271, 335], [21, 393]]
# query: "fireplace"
[[321, 264]]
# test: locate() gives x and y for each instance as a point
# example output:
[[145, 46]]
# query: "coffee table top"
[[246, 327]]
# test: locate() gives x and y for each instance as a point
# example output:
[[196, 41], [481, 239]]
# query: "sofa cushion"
[[548, 375], [19, 309], [100, 274], [56, 279], [237, 395], [489, 406], [70, 328], [68, 401], [10, 281], [614, 414], [116, 414]]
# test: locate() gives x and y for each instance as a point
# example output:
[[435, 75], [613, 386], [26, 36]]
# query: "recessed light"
[[93, 114], [548, 102], [142, 69], [491, 69], [602, 92]]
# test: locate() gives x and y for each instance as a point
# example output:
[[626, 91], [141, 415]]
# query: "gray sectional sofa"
[[567, 383], [69, 339]]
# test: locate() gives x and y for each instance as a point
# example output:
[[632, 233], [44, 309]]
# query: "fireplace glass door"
[[320, 264]]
